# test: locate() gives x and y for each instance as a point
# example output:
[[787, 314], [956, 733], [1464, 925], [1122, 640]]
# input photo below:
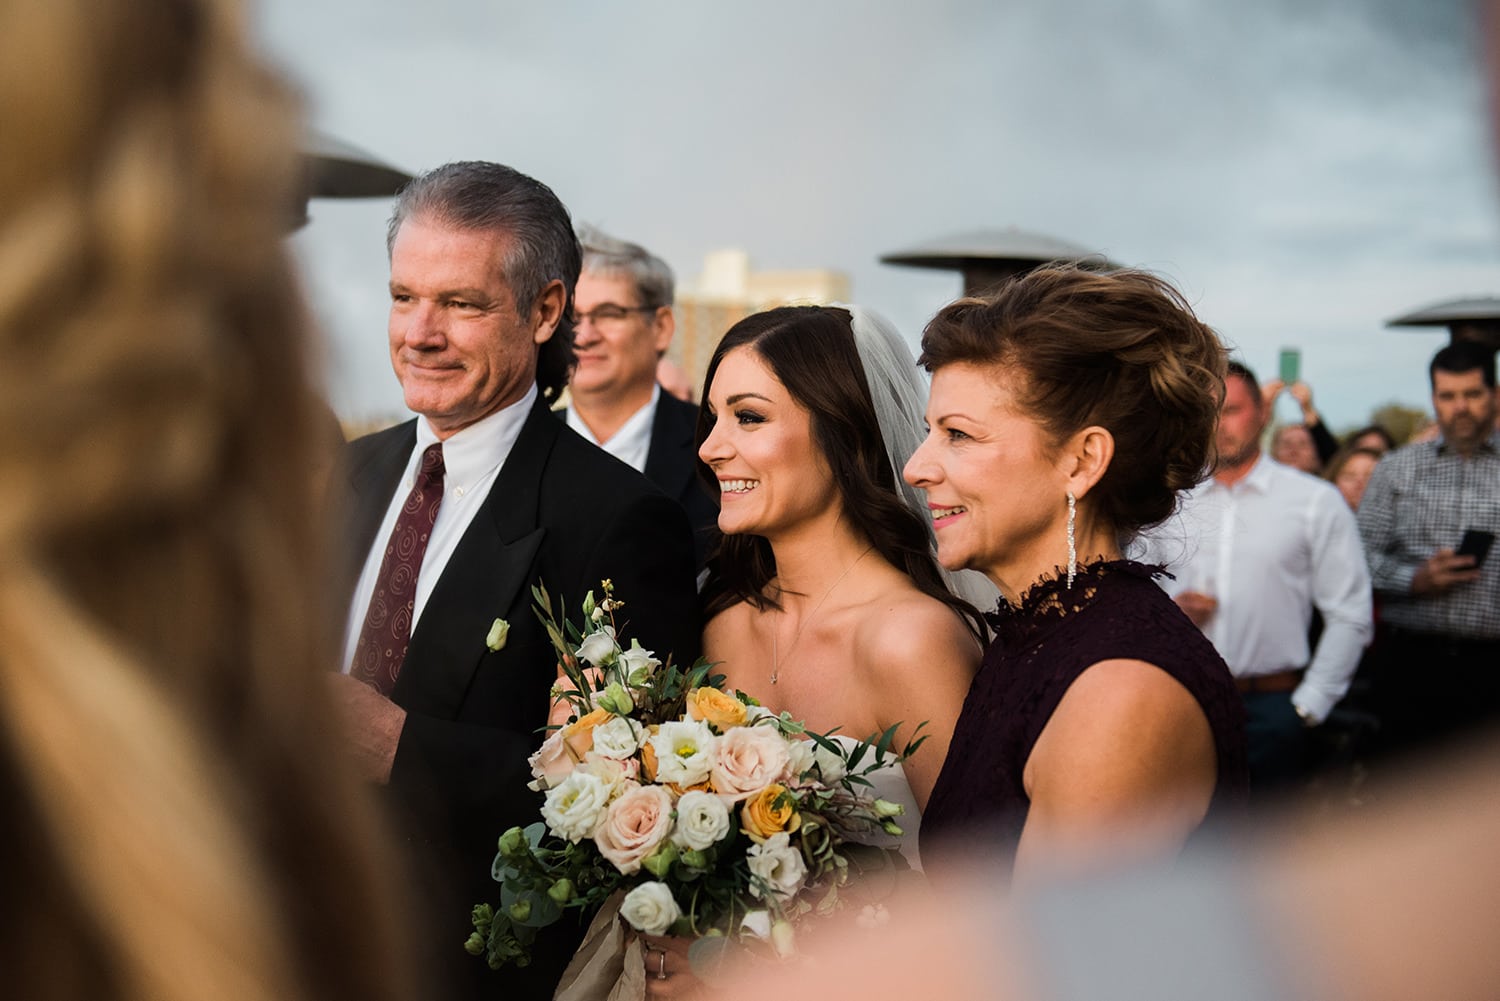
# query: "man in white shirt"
[[623, 327], [1255, 549]]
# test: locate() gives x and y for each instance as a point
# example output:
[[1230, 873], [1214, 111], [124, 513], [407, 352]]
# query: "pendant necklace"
[[775, 658]]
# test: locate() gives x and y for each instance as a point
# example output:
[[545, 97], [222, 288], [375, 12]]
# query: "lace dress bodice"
[[1113, 610]]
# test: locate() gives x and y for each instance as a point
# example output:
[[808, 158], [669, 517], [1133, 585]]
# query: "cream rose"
[[830, 764], [637, 663], [551, 763], [778, 864], [650, 908], [634, 825], [702, 820], [802, 759], [684, 752], [747, 759], [618, 738], [573, 809]]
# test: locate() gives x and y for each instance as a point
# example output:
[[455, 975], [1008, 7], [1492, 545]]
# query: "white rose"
[[757, 923], [597, 647], [637, 658], [614, 773], [650, 908], [634, 826], [702, 820], [747, 759], [777, 863], [753, 713], [684, 752], [802, 758], [830, 764], [573, 809], [619, 738]]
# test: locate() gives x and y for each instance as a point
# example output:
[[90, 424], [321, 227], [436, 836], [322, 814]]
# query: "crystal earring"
[[1072, 544]]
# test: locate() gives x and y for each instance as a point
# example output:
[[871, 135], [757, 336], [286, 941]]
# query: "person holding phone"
[[1426, 522]]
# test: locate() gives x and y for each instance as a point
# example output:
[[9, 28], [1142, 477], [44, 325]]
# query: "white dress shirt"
[[632, 442], [1269, 548], [471, 459]]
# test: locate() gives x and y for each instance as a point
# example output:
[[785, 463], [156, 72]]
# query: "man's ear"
[[547, 310], [1087, 455], [663, 326]]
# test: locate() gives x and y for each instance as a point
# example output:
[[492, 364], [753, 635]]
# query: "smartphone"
[[1476, 544], [1291, 365]]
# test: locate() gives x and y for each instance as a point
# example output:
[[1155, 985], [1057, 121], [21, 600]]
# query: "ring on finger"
[[661, 966]]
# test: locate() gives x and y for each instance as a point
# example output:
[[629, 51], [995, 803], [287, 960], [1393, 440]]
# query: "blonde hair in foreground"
[[178, 827]]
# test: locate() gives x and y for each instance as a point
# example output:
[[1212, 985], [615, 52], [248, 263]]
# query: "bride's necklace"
[[775, 658]]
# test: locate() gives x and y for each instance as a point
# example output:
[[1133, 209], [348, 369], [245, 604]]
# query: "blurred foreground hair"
[[178, 826]]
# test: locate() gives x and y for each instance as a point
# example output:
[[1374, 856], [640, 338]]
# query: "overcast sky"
[[1303, 169]]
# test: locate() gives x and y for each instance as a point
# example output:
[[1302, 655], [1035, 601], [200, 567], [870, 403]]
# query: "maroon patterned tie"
[[387, 630]]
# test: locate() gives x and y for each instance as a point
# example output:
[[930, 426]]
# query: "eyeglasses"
[[609, 313]]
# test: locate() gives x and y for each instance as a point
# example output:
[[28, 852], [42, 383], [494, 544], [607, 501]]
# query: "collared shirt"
[[1420, 499], [632, 442], [472, 458], [1270, 548]]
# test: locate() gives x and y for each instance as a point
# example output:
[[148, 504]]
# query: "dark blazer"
[[672, 464], [562, 512]]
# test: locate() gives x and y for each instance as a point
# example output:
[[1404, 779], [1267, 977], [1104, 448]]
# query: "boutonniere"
[[498, 632]]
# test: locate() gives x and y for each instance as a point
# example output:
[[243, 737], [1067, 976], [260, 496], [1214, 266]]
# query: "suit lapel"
[[487, 573], [372, 477]]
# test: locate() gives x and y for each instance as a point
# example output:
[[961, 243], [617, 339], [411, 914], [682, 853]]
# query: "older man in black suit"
[[452, 517], [624, 326]]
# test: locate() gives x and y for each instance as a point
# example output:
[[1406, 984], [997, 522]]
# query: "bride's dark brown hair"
[[811, 350]]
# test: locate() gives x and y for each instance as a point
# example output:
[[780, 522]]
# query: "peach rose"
[[747, 759], [718, 709], [637, 822], [552, 762], [770, 811], [579, 735]]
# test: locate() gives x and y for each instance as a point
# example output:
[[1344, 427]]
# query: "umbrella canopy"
[[989, 256], [1476, 318], [333, 168]]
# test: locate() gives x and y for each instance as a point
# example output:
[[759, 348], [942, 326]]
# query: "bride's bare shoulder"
[[727, 627]]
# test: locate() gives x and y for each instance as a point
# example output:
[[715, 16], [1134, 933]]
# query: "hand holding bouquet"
[[715, 818]]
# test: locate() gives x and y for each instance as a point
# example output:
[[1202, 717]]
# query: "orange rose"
[[717, 709], [648, 760], [770, 811], [579, 735]]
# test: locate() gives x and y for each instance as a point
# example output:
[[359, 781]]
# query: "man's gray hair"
[[490, 197], [606, 255]]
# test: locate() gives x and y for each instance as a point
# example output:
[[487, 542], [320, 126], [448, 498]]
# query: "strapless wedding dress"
[[889, 783]]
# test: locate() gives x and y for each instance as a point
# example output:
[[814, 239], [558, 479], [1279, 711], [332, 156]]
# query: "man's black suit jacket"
[[561, 512], [672, 464]]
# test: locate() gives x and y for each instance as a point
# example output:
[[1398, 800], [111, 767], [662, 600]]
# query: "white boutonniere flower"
[[498, 633]]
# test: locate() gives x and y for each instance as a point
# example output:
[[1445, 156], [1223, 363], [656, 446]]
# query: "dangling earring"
[[1072, 545]]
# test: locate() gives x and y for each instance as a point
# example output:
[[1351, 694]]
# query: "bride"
[[825, 599]]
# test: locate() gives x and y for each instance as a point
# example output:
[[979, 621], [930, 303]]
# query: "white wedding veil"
[[899, 391]]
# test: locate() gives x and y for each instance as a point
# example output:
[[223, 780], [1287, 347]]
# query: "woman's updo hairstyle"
[[1119, 349]]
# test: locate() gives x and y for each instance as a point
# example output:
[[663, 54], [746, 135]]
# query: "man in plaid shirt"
[[1438, 661]]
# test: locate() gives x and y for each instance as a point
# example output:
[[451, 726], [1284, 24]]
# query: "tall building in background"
[[727, 291]]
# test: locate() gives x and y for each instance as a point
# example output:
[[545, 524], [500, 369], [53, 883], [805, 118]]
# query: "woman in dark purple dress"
[[1068, 411]]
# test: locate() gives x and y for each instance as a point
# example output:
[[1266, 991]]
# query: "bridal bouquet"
[[701, 812]]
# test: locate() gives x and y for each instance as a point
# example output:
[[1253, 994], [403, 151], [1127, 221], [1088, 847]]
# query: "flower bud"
[[561, 891], [475, 944], [885, 808], [891, 827], [659, 862], [695, 859], [513, 842], [499, 630], [616, 699], [520, 910]]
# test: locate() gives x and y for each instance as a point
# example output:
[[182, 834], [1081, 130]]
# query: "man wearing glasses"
[[623, 326]]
